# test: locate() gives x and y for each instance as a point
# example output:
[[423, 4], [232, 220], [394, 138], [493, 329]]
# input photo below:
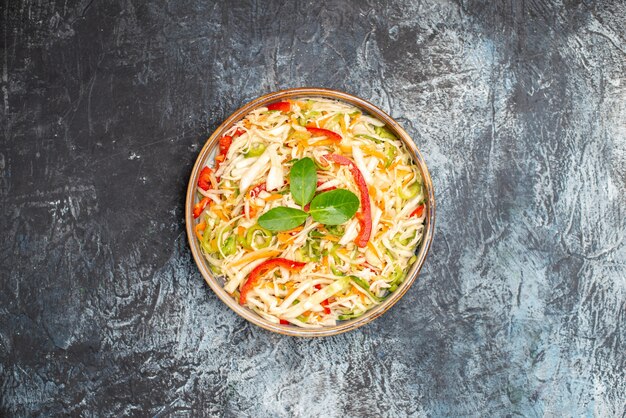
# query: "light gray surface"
[[518, 107]]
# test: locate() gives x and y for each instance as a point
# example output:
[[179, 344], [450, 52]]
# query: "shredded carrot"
[[289, 235], [323, 142], [346, 149], [342, 125], [321, 122], [200, 227], [359, 292], [275, 196], [222, 216], [241, 231], [386, 221], [355, 120], [219, 213], [408, 179], [393, 165], [252, 211], [372, 191], [373, 151], [372, 247], [248, 258], [342, 251], [331, 238], [284, 237]]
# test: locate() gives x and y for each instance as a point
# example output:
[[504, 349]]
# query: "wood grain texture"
[[518, 107]]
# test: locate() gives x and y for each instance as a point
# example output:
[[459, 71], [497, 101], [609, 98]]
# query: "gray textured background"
[[519, 108]]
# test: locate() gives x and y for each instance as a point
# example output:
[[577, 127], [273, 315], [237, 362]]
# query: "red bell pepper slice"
[[224, 145], [419, 211], [254, 192], [199, 207], [282, 106], [255, 275], [333, 136], [283, 322], [204, 180], [225, 142], [258, 189], [325, 305], [365, 218]]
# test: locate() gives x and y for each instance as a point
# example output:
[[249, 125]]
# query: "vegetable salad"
[[311, 212]]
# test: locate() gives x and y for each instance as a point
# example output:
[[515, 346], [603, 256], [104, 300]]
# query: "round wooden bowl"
[[342, 326]]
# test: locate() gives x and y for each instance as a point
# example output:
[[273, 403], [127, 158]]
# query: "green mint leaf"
[[303, 181], [334, 207], [282, 219]]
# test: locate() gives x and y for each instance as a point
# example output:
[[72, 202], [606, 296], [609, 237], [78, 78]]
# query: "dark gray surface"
[[518, 107]]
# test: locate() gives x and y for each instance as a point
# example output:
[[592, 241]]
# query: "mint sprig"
[[334, 207]]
